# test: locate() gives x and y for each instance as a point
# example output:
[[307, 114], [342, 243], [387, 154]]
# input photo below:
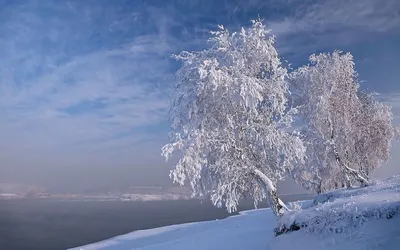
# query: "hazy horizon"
[[84, 84]]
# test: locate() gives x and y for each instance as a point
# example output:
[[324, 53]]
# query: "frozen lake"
[[49, 224]]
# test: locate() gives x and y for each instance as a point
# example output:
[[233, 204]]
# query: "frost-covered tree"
[[328, 89], [347, 132], [397, 133], [316, 172], [229, 116], [374, 133]]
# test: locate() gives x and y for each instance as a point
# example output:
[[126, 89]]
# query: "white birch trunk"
[[346, 169], [277, 206]]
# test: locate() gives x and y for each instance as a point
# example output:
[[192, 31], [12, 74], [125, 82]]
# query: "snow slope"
[[254, 229], [343, 210]]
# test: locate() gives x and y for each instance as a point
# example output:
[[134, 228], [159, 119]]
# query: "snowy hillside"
[[343, 210], [368, 218]]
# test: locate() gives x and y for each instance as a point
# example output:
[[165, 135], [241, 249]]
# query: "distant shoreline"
[[122, 197]]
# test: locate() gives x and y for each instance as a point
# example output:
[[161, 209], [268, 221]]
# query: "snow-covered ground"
[[254, 229]]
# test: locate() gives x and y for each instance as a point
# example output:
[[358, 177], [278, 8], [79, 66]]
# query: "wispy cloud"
[[326, 16], [316, 25], [73, 79]]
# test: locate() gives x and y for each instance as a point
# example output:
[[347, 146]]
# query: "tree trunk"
[[277, 206], [345, 169], [357, 175], [319, 187]]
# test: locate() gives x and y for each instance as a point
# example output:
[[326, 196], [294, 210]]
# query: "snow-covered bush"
[[229, 116]]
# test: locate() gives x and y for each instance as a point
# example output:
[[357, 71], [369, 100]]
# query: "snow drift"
[[357, 219], [342, 210]]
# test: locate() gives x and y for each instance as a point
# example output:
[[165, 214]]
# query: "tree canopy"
[[229, 115]]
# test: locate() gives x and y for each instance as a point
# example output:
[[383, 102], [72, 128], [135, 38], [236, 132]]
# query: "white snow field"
[[357, 219]]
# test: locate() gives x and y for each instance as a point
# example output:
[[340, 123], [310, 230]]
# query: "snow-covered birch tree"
[[347, 132], [317, 171], [397, 133], [374, 134], [229, 115]]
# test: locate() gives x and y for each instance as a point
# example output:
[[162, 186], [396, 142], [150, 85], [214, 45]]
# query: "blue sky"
[[84, 84]]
